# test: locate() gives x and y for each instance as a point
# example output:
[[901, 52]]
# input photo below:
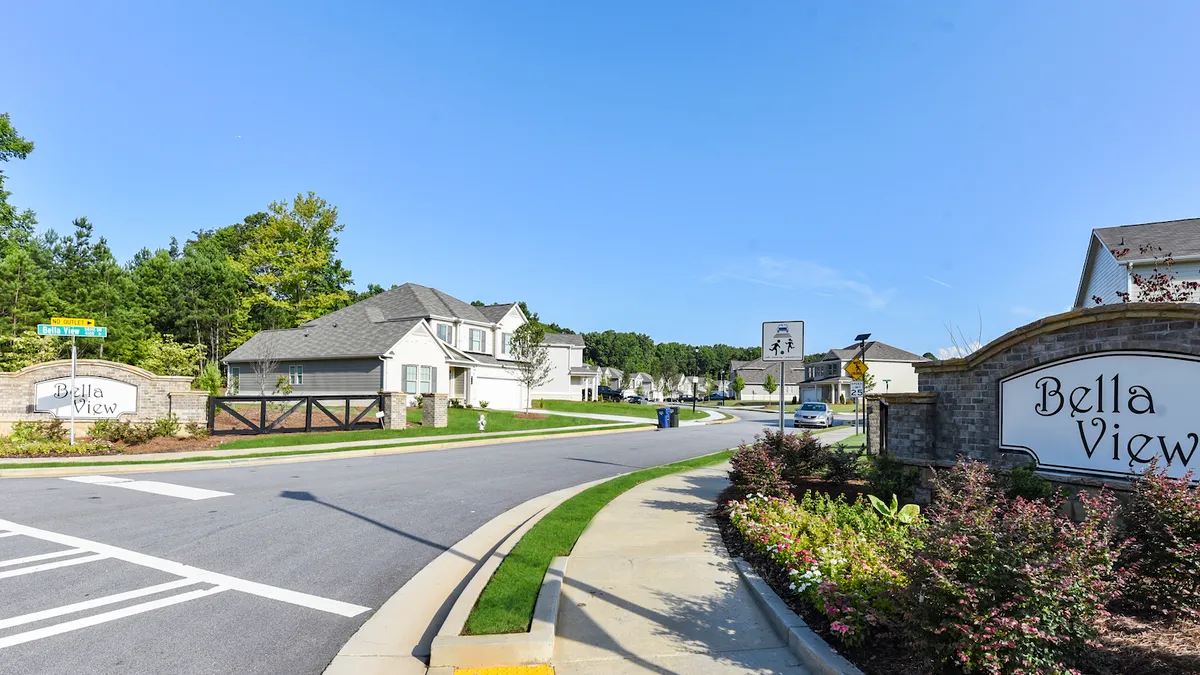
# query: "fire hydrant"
[[482, 422]]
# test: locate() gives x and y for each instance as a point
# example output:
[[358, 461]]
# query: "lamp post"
[[695, 376], [861, 339]]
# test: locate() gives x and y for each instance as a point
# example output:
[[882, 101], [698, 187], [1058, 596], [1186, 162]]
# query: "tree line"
[[173, 309]]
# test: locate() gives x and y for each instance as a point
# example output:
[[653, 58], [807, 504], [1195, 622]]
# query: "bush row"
[[777, 461], [991, 577]]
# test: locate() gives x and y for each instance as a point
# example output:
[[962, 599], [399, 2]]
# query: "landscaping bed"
[[990, 578]]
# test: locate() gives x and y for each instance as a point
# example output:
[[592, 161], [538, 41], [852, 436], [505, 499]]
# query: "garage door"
[[499, 393], [810, 395]]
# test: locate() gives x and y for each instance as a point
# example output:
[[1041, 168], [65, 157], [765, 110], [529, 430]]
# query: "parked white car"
[[813, 415]]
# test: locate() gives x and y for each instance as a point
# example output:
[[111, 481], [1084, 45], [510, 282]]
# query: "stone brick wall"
[[157, 396], [959, 411], [395, 407], [435, 410]]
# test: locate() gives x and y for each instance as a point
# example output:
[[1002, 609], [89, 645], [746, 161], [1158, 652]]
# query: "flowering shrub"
[[840, 557], [755, 470], [802, 455], [1163, 524], [999, 585]]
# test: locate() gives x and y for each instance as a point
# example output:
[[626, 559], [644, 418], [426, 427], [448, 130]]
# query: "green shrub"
[[1163, 527], [1026, 484], [888, 476], [106, 430], [283, 386], [843, 465], [483, 404], [456, 403], [197, 430], [1000, 585], [209, 379], [42, 430], [166, 427], [53, 448], [420, 400]]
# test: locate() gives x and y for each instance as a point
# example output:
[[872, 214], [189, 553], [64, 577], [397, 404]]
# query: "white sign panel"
[[856, 389], [1105, 414], [95, 398], [783, 341]]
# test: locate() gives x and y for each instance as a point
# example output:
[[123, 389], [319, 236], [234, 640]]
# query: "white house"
[[891, 369], [1116, 255], [754, 375], [412, 339]]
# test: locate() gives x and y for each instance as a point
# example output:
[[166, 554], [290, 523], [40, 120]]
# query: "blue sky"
[[683, 169]]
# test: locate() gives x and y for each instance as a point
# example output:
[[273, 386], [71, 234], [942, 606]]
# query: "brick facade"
[[157, 396], [957, 409], [435, 410], [395, 408]]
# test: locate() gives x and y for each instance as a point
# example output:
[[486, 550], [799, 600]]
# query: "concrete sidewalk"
[[650, 589]]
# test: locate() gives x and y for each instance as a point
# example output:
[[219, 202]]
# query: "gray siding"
[[330, 376]]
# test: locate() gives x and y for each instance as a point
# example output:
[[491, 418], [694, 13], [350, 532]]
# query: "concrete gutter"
[[814, 653], [415, 446]]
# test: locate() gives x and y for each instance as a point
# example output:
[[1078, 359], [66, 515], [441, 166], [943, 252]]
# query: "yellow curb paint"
[[507, 670]]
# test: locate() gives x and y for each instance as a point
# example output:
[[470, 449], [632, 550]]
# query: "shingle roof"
[[1176, 237], [366, 328], [756, 371], [563, 339], [876, 351], [496, 312]]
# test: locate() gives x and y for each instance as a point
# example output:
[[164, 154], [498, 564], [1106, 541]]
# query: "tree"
[[709, 386], [291, 265], [770, 384], [531, 357], [165, 356], [266, 362], [738, 385], [13, 225], [930, 356], [1160, 285], [26, 349], [477, 303], [868, 383], [812, 358]]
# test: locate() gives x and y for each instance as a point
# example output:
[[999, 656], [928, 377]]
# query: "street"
[[265, 569]]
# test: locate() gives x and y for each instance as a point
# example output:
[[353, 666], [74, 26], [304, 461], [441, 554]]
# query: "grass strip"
[[322, 451], [506, 604], [627, 409]]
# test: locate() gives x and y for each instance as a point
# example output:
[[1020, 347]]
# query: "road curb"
[[114, 468], [397, 638], [814, 653]]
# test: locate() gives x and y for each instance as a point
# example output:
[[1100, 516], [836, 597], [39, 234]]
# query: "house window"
[[445, 333], [295, 375], [506, 343], [478, 344], [235, 380], [410, 379], [426, 379]]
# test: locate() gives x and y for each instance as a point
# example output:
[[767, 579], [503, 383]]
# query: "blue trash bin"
[[664, 418]]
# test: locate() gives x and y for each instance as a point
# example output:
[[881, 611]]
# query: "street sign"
[[856, 369], [72, 331], [63, 321], [856, 389], [783, 341]]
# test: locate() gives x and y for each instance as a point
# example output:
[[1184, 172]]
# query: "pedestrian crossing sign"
[[856, 369]]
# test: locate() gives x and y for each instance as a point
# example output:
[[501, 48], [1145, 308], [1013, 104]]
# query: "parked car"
[[609, 394], [638, 400], [813, 415], [718, 396]]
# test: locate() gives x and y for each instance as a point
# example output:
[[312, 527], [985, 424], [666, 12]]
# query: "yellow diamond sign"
[[856, 369]]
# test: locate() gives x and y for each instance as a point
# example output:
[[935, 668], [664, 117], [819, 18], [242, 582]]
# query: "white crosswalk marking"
[[40, 556], [93, 603], [50, 566], [152, 486]]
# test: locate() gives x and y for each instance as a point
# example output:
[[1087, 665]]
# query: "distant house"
[[1115, 254], [754, 374], [411, 339], [891, 368]]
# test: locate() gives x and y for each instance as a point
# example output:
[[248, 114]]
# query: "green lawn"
[[506, 604], [258, 455], [462, 421], [629, 409], [859, 441]]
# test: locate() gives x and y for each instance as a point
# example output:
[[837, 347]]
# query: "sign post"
[[73, 328], [782, 341]]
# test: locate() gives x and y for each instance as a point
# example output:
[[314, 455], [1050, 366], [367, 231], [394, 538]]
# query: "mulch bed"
[[1132, 646]]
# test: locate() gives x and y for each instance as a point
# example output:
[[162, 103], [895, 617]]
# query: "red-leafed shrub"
[[1163, 552], [999, 585], [755, 470]]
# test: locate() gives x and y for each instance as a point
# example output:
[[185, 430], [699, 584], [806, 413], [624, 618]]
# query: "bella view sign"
[[94, 398]]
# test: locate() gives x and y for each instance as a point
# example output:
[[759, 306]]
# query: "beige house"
[[890, 367]]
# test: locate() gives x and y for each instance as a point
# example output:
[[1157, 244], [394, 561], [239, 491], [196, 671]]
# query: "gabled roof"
[[568, 339], [756, 371], [365, 329], [1178, 238], [876, 351], [496, 312]]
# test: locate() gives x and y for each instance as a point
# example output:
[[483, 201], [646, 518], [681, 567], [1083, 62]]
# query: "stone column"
[[435, 410], [395, 408], [189, 406]]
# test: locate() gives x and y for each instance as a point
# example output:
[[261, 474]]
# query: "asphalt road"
[[283, 568]]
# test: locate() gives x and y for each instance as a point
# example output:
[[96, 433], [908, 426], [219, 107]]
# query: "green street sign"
[[72, 331]]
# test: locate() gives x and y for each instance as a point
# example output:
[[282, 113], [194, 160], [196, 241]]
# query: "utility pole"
[[861, 339]]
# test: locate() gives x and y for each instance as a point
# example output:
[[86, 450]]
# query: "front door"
[[458, 382]]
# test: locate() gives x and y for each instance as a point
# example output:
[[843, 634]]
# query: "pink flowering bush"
[[754, 469], [999, 585], [1163, 526], [840, 558]]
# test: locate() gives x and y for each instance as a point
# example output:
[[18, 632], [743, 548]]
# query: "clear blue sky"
[[883, 167]]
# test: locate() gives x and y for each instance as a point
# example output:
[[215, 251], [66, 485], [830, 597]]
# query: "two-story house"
[[754, 375], [1118, 256], [411, 339], [889, 367]]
